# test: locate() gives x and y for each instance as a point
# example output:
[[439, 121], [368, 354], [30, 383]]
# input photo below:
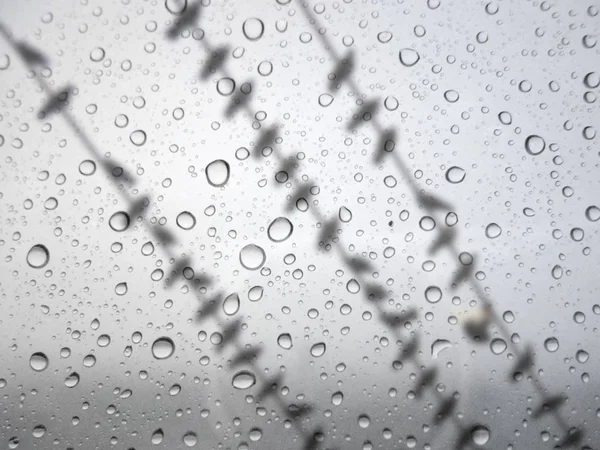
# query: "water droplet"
[[38, 361], [265, 68], [89, 361], [190, 439], [186, 220], [119, 221], [121, 120], [592, 213], [325, 100], [451, 96], [480, 435], [97, 54], [252, 257], [87, 168], [225, 86], [121, 288], [433, 294], [364, 421], [38, 256], [255, 293], [551, 344], [497, 346], [438, 346], [285, 341], [493, 230], [157, 437], [39, 431], [217, 173], [557, 272], [163, 348], [455, 174], [408, 57], [253, 29], [582, 356], [353, 286], [391, 103], [103, 340], [231, 304], [72, 380], [384, 37], [337, 398], [138, 137], [4, 61], [243, 380], [176, 7], [345, 214], [534, 145], [427, 223], [280, 229], [318, 349]]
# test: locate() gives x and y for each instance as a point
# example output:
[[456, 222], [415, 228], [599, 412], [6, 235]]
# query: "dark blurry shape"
[[236, 103], [425, 380], [444, 239], [396, 320], [246, 356], [266, 139], [524, 361], [445, 409], [342, 71], [298, 411], [229, 334], [385, 145], [358, 265], [215, 61], [375, 292], [312, 441], [477, 324], [549, 405], [328, 230], [209, 308], [189, 16], [301, 192], [270, 387], [56, 102], [573, 438], [364, 114]]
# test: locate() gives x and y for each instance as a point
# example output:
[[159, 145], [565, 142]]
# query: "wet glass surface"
[[299, 225]]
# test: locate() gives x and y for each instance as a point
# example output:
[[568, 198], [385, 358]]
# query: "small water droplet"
[[217, 173], [493, 230], [119, 221], [253, 29], [72, 380], [455, 174], [551, 344]]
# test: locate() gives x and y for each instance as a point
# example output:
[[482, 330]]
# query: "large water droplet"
[[480, 435], [534, 145], [433, 294], [243, 380], [163, 348], [38, 256], [438, 346], [493, 230], [408, 57], [285, 341], [318, 349], [186, 220], [592, 213], [231, 304], [190, 439], [217, 173], [455, 174], [345, 214], [157, 437], [138, 137], [176, 7], [280, 229], [252, 257], [72, 380], [253, 29], [551, 344], [119, 221], [497, 346], [38, 361]]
